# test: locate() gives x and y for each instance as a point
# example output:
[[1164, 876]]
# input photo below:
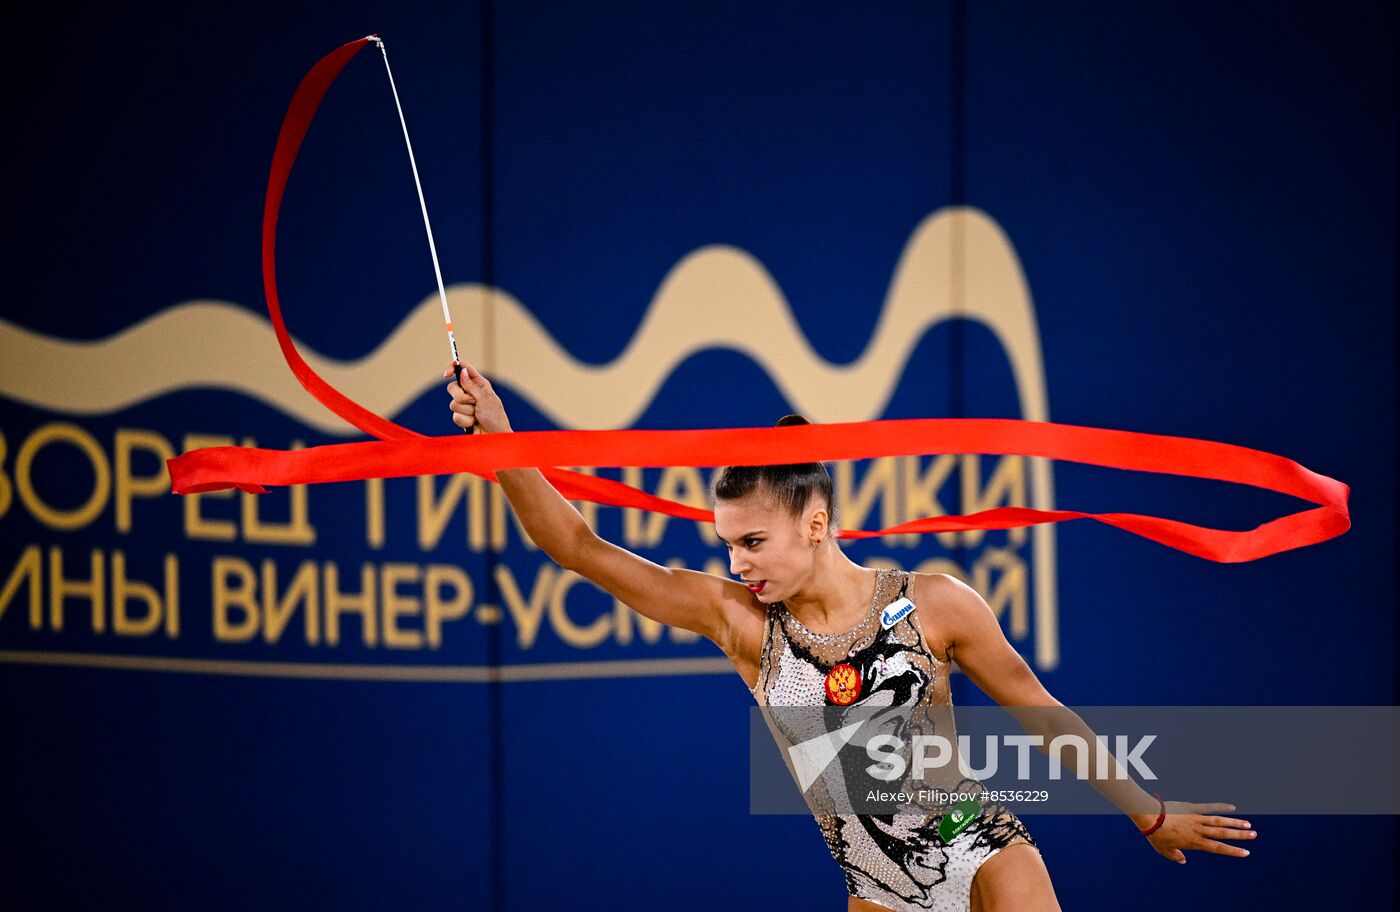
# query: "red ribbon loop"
[[402, 452]]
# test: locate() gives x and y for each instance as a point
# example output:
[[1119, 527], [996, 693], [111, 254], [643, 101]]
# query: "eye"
[[755, 542]]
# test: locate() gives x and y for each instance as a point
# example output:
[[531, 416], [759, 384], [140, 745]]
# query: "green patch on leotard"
[[958, 819]]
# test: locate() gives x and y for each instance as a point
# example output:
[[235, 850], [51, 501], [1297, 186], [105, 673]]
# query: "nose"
[[736, 566]]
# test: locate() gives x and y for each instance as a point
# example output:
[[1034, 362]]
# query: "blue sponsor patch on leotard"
[[895, 611]]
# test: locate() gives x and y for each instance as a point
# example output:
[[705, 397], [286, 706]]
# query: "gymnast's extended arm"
[[701, 602], [970, 635]]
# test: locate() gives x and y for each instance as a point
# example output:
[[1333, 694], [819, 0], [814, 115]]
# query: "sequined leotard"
[[894, 860]]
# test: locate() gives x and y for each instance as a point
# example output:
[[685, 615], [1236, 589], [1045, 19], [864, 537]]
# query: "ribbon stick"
[[422, 203], [427, 225], [402, 452]]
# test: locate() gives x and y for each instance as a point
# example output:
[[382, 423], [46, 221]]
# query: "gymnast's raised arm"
[[709, 605]]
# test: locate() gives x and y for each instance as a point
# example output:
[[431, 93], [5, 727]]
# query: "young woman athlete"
[[802, 615]]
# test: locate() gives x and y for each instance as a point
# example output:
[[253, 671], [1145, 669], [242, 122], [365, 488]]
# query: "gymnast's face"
[[770, 550]]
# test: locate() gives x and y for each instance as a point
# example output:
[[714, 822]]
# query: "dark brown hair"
[[791, 485]]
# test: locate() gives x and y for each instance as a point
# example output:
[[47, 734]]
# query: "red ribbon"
[[402, 452], [294, 126], [484, 454]]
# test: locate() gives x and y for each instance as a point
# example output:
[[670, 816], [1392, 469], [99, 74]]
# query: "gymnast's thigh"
[[1014, 878]]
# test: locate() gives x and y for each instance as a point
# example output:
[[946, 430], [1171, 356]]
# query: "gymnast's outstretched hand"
[[1196, 826], [475, 403]]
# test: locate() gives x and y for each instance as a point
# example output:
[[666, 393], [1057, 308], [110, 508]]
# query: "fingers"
[[1220, 848], [1210, 808], [463, 413], [1225, 822], [1226, 833], [455, 371], [470, 378], [469, 375], [468, 389]]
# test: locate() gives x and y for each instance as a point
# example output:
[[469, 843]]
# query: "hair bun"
[[789, 420]]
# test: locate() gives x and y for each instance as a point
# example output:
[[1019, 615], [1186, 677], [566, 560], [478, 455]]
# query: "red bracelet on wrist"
[[1161, 816]]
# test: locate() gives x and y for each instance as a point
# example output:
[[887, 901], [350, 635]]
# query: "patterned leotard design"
[[898, 861]]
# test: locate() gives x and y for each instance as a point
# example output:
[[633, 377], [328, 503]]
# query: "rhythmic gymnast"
[[799, 617]]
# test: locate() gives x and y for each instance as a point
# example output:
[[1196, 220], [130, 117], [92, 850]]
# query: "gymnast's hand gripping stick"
[[422, 204]]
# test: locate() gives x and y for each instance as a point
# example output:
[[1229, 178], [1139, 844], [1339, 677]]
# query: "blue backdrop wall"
[[1175, 219]]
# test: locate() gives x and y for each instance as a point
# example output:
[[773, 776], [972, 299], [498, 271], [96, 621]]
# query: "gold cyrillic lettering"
[[124, 590], [436, 608], [54, 518], [5, 491], [580, 637], [527, 617], [1006, 487], [395, 605], [130, 485], [1008, 592], [278, 609], [225, 596], [374, 512], [30, 568], [337, 603], [921, 494], [857, 501], [682, 484], [633, 533], [93, 589], [435, 510]]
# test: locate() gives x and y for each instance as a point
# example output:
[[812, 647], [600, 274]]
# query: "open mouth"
[[757, 587]]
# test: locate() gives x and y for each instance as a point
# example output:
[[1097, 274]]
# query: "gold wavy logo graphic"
[[957, 263], [716, 297]]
